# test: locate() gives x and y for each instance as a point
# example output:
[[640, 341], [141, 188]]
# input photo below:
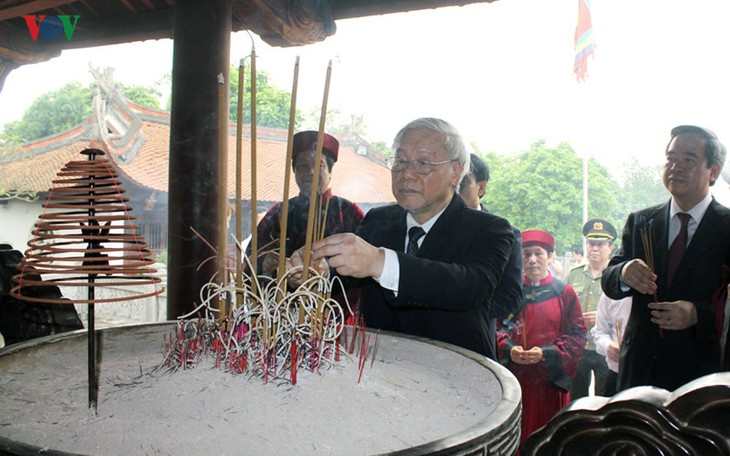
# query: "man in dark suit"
[[670, 338], [509, 298], [443, 289]]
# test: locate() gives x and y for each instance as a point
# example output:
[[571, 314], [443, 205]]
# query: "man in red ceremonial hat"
[[342, 215], [543, 345]]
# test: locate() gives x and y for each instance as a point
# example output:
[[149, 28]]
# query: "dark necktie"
[[676, 251], [414, 234]]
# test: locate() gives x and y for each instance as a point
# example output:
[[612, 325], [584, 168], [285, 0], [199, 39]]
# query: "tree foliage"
[[57, 111], [273, 105], [60, 110], [542, 189], [641, 187], [51, 113], [143, 95]]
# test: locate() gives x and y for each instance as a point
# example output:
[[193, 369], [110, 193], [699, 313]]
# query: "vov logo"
[[51, 28]]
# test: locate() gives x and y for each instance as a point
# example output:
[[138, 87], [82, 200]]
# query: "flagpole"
[[584, 46], [584, 128]]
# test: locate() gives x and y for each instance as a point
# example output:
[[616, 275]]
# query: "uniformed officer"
[[586, 280]]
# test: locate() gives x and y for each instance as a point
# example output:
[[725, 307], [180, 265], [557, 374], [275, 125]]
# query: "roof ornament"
[[114, 123]]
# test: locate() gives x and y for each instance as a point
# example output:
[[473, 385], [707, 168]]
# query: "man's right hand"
[[637, 275], [613, 351], [350, 255], [295, 267], [270, 263]]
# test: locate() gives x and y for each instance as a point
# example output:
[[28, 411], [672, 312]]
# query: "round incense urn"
[[412, 397]]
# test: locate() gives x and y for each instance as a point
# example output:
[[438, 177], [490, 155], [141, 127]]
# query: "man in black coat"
[[509, 299], [442, 291], [671, 338]]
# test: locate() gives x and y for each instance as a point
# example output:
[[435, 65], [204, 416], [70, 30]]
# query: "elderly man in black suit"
[[670, 261], [429, 265]]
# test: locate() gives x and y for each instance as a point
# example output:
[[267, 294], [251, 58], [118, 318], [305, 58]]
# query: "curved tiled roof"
[[144, 159]]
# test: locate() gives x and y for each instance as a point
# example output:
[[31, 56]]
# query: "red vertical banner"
[[584, 42]]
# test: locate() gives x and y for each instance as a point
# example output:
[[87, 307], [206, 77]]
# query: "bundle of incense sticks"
[[523, 333], [646, 242]]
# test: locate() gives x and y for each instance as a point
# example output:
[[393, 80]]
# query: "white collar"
[[697, 212], [411, 222]]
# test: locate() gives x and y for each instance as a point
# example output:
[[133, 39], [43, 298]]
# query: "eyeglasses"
[[398, 165]]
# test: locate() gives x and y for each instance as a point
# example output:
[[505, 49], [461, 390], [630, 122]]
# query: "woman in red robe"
[[543, 345]]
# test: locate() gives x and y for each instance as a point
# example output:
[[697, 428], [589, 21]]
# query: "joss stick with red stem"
[[294, 361], [363, 355], [375, 349]]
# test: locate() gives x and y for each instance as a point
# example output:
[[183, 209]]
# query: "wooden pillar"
[[198, 160]]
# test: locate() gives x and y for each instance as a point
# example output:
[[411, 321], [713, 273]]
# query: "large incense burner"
[[413, 397]]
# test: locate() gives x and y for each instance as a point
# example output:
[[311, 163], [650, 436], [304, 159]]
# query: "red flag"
[[584, 43]]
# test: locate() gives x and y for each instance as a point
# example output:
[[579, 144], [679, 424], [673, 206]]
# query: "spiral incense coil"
[[86, 237]]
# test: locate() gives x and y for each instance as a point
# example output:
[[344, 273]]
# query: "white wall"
[[17, 219]]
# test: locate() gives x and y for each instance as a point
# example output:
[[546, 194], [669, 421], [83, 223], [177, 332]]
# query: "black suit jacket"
[[671, 359], [509, 297], [445, 291]]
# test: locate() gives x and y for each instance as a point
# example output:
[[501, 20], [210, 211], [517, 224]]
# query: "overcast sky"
[[501, 72]]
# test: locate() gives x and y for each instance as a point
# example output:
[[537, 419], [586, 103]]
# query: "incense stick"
[[287, 176], [239, 178], [223, 196], [315, 177], [254, 196]]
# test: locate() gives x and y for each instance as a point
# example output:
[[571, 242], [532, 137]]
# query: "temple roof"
[[137, 139]]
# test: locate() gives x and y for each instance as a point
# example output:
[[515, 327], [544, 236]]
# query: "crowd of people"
[[438, 264]]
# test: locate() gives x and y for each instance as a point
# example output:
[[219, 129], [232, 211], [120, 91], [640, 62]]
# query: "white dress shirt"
[[390, 276], [611, 319], [696, 214]]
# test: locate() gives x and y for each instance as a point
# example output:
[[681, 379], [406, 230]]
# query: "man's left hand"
[[673, 315], [589, 318]]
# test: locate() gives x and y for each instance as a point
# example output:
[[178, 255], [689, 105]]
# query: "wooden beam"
[[23, 8]]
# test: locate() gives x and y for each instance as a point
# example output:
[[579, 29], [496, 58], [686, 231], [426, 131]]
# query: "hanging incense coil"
[[86, 237]]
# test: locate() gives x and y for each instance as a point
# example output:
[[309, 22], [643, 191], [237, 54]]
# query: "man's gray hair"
[[453, 142]]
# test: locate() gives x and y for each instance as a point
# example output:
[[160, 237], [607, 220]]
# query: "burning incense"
[[287, 175], [315, 177], [239, 177], [254, 234], [323, 226], [223, 197], [523, 333], [618, 333], [646, 242]]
